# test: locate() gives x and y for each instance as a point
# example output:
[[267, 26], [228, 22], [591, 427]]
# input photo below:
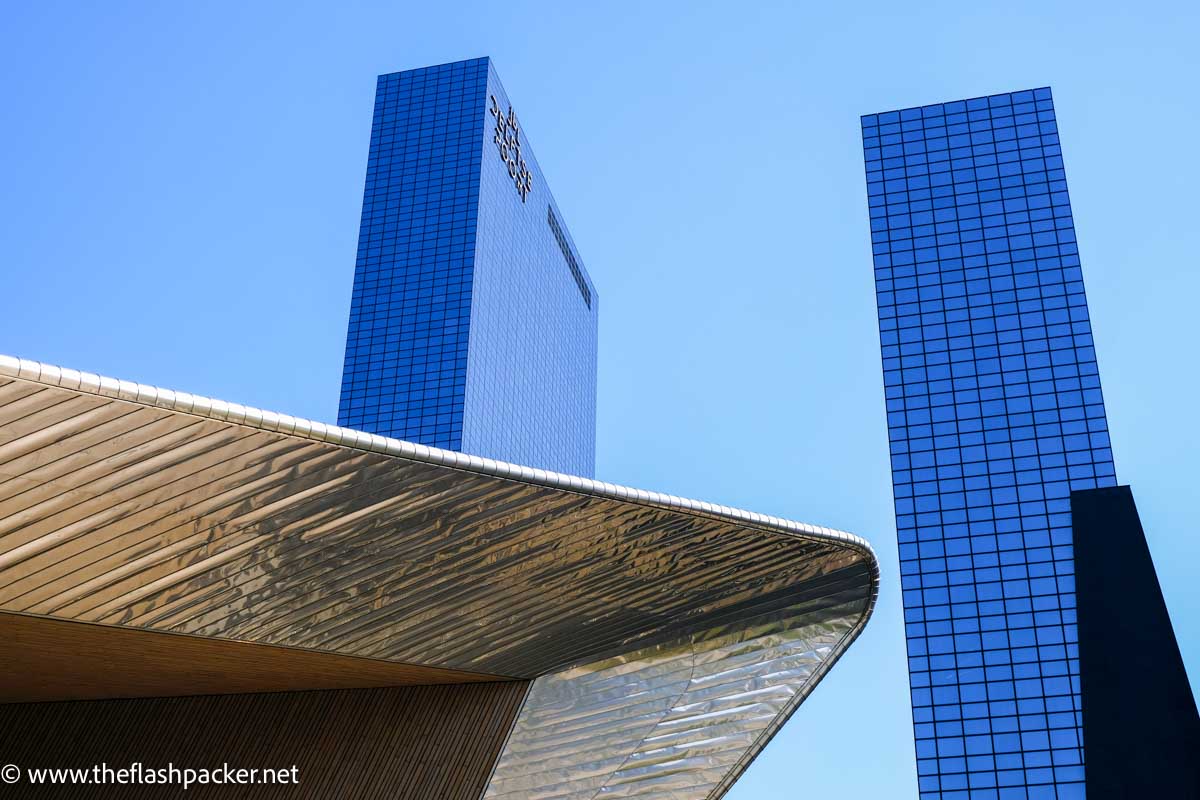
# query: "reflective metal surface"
[[675, 721], [669, 637]]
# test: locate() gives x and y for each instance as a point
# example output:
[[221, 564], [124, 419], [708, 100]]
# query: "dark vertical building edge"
[[1140, 726], [402, 743]]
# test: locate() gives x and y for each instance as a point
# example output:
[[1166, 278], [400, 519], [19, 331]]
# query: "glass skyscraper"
[[994, 417], [473, 322]]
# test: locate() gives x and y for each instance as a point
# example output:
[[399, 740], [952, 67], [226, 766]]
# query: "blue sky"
[[182, 186]]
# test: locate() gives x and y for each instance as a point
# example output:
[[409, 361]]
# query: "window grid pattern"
[[406, 347], [994, 415], [531, 371]]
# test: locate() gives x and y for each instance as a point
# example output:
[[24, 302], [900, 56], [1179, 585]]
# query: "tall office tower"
[[997, 426], [473, 321], [994, 415]]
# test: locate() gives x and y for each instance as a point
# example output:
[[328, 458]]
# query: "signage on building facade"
[[508, 141]]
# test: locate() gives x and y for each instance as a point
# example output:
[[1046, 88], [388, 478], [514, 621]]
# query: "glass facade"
[[994, 415], [473, 322]]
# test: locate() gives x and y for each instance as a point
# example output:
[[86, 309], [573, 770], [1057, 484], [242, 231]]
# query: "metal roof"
[[668, 638]]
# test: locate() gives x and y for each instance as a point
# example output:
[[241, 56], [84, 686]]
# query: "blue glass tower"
[[473, 322], [994, 417]]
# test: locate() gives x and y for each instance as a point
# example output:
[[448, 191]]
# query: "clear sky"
[[180, 187]]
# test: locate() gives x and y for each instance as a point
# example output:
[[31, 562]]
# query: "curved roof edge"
[[234, 413], [237, 413]]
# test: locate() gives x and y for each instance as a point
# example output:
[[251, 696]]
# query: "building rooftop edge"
[[1035, 89], [435, 66]]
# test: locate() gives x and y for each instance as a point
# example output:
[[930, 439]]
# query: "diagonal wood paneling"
[[42, 658], [402, 743]]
